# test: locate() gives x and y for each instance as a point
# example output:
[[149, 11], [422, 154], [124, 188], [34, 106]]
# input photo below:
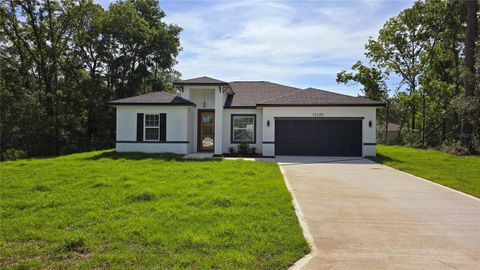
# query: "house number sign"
[[317, 114]]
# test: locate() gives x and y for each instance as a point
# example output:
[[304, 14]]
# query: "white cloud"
[[301, 43], [282, 41]]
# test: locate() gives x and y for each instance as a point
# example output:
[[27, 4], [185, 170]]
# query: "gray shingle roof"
[[391, 127], [200, 80], [317, 97], [250, 93], [154, 98]]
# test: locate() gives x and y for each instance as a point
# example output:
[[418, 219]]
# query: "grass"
[[144, 211], [458, 172]]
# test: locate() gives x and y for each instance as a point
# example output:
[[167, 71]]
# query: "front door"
[[206, 130]]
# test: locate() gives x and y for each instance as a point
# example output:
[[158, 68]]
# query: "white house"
[[209, 115]]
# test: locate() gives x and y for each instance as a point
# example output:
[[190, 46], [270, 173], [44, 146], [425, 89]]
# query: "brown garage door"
[[318, 137]]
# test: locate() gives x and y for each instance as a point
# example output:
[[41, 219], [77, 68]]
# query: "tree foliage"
[[371, 79], [423, 46], [62, 61]]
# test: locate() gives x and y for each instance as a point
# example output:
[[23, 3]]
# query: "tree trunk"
[[413, 119], [469, 77], [387, 120], [424, 118], [444, 130], [54, 71]]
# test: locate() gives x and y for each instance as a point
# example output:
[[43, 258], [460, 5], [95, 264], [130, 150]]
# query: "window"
[[152, 127], [243, 128]]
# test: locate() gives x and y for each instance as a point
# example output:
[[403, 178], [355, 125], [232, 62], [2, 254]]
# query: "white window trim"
[[238, 128], [145, 128]]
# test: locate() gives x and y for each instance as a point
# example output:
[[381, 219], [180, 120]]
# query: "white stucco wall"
[[190, 126], [368, 113], [177, 129], [182, 124], [219, 103], [227, 128], [177, 148], [197, 96]]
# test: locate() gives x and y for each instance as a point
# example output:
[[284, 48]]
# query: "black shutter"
[[139, 127], [163, 127]]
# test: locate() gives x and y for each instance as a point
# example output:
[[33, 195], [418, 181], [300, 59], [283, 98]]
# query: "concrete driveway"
[[363, 215]]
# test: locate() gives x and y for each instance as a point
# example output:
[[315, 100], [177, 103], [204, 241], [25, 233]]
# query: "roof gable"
[[204, 80]]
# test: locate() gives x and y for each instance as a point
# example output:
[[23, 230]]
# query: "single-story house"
[[210, 115], [392, 136]]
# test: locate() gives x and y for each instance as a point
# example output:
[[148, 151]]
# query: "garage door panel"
[[318, 137]]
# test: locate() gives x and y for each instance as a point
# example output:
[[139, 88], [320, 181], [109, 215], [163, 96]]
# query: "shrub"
[[454, 148], [145, 196], [252, 151], [231, 150], [243, 149], [13, 154], [410, 137]]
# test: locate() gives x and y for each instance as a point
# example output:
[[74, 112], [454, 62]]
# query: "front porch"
[[206, 125]]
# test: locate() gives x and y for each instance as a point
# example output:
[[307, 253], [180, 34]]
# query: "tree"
[[441, 79], [398, 49], [41, 37], [371, 79], [407, 46], [469, 77], [141, 46], [62, 61], [373, 85]]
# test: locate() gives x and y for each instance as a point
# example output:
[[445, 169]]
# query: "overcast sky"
[[298, 43]]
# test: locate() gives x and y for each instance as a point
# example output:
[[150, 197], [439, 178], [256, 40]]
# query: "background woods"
[[430, 52], [62, 61]]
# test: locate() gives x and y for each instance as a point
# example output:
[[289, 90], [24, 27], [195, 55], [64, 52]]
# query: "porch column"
[[219, 102]]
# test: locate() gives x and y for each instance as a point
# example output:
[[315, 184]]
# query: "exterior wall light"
[[204, 99], [268, 123], [370, 123]]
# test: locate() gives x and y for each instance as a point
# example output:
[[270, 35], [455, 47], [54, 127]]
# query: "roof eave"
[[322, 105], [150, 104], [199, 83], [240, 107]]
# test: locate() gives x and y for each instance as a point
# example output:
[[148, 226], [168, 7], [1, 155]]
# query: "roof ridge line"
[[281, 96], [284, 85], [249, 81], [340, 94]]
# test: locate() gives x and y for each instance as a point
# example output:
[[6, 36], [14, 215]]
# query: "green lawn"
[[138, 211], [458, 172]]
